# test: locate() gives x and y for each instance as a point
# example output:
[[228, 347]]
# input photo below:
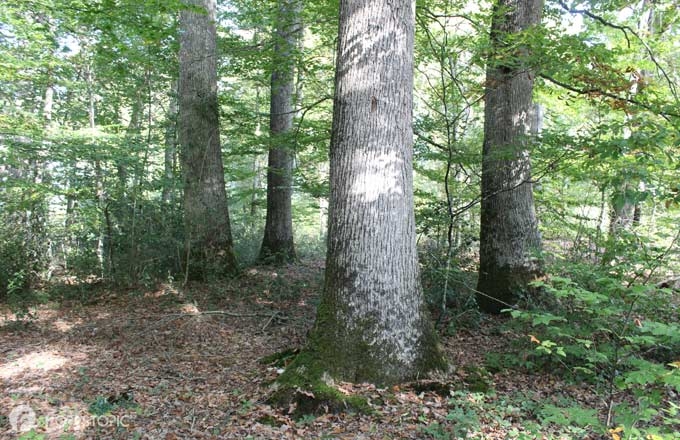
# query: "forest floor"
[[172, 363]]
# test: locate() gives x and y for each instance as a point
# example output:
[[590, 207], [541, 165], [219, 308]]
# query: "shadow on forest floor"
[[184, 363]]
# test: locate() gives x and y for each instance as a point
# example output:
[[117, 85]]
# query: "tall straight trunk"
[[255, 187], [133, 140], [103, 240], [170, 152], [626, 209], [278, 244], [509, 236], [209, 248], [372, 323], [48, 103], [622, 209]]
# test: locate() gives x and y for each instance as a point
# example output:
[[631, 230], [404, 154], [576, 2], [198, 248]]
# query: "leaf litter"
[[187, 364]]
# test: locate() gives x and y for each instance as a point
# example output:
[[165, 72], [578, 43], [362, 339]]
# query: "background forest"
[[94, 183]]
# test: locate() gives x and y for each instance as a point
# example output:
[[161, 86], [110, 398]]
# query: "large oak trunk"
[[209, 250], [277, 244], [509, 236], [372, 324]]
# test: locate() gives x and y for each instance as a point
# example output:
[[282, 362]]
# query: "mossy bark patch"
[[280, 359], [307, 387]]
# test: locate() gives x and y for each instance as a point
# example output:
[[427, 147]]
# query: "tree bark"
[[509, 236], [278, 244], [48, 104], [133, 140], [170, 152], [209, 248], [372, 324]]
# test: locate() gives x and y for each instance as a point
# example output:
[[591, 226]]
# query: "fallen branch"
[[225, 313], [275, 315]]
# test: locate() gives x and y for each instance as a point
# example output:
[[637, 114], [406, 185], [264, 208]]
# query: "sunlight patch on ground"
[[66, 326], [163, 290], [189, 308], [36, 361]]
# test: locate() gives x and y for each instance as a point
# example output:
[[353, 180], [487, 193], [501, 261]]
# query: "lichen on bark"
[[309, 381], [372, 323]]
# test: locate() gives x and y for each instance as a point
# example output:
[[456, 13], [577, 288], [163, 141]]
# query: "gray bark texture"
[[170, 151], [509, 236], [48, 104], [278, 245], [209, 249], [622, 216], [372, 324]]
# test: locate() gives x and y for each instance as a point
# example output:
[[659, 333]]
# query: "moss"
[[337, 351], [347, 355], [432, 358], [270, 420], [280, 359], [307, 385], [308, 381]]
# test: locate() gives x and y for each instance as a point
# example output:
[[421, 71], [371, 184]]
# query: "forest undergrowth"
[[196, 362]]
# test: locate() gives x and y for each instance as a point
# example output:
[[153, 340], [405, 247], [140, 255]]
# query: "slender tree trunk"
[[626, 209], [623, 210], [170, 153], [70, 221], [278, 244], [372, 323], [48, 103], [255, 187], [209, 248], [104, 231], [133, 139], [509, 237], [89, 78]]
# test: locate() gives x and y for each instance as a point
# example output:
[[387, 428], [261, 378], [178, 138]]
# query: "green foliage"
[[32, 435], [612, 334], [100, 406], [447, 288], [18, 269], [571, 416], [462, 418]]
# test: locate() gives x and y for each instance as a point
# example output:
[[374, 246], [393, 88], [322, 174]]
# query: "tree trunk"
[[48, 104], [277, 244], [209, 249], [623, 210], [626, 208], [372, 323], [133, 140], [170, 147], [509, 237], [104, 237]]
